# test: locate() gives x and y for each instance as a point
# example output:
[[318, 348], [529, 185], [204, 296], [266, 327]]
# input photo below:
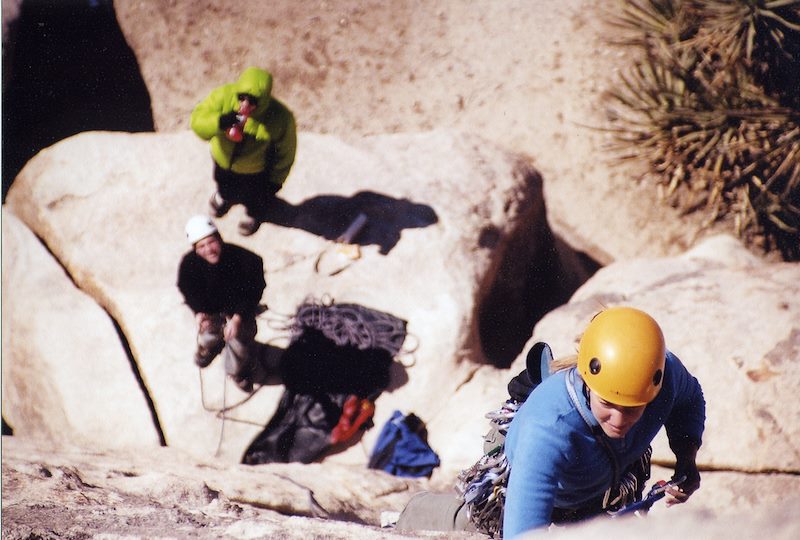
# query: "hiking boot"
[[204, 355], [246, 385], [248, 226], [219, 206], [202, 360]]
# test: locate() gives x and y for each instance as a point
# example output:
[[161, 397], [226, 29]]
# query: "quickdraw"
[[483, 486], [656, 493]]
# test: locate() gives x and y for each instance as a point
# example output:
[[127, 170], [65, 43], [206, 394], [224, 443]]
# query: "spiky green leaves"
[[713, 106]]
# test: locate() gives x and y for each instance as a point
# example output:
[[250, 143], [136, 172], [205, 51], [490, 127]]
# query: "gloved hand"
[[228, 119], [685, 465]]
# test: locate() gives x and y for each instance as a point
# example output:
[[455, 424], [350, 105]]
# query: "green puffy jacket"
[[270, 135]]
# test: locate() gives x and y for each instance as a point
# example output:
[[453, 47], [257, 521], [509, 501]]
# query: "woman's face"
[[615, 420]]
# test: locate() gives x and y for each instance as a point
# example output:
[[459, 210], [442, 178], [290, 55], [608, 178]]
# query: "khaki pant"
[[239, 352], [435, 512]]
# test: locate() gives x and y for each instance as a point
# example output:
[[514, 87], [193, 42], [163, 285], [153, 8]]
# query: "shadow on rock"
[[342, 376], [329, 216]]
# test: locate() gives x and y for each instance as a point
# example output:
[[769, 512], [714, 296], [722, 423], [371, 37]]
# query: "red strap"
[[355, 413]]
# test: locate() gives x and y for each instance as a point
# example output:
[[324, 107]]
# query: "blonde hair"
[[563, 363]]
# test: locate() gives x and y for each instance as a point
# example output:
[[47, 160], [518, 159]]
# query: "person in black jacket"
[[222, 283]]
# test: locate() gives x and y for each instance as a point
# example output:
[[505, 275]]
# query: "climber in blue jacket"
[[579, 444], [584, 427]]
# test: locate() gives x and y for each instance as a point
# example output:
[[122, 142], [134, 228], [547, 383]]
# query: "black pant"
[[572, 515], [254, 191]]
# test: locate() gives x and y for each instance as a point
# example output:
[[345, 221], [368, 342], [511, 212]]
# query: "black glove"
[[227, 120], [687, 468], [685, 465], [520, 386]]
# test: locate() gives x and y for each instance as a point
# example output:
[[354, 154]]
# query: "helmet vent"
[[594, 366], [657, 377]]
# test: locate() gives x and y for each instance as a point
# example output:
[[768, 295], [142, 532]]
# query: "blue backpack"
[[402, 448]]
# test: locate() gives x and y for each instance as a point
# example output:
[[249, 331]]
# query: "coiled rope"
[[348, 324]]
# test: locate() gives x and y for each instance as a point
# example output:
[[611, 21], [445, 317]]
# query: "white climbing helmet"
[[199, 227]]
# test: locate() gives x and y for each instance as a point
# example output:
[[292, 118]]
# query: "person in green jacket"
[[253, 140]]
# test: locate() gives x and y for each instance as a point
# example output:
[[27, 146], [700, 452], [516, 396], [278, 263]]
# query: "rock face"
[[434, 253], [165, 492], [97, 344], [58, 343], [66, 494], [110, 208]]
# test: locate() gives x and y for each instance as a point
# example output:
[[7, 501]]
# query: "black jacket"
[[233, 285]]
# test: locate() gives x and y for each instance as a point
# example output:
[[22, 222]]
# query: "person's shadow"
[[329, 216]]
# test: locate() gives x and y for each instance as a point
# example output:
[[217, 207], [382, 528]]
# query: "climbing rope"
[[221, 413], [348, 324], [630, 485], [224, 409]]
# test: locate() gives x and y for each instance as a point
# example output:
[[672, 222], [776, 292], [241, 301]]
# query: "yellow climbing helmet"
[[621, 356]]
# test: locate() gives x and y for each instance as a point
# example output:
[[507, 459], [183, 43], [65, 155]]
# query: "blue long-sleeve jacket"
[[555, 459]]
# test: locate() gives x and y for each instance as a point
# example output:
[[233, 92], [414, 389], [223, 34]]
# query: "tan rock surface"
[[65, 371], [440, 308], [431, 253], [165, 493], [527, 75]]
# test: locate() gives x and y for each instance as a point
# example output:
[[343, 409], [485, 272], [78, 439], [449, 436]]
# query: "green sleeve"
[[285, 149], [205, 116]]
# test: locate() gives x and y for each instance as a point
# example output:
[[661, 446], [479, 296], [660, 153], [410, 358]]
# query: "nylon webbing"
[[597, 431]]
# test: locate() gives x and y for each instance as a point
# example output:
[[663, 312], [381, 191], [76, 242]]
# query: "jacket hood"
[[258, 83]]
